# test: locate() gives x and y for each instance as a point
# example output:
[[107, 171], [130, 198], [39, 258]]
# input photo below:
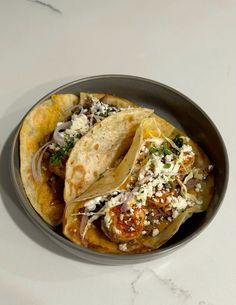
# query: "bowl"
[[172, 106]]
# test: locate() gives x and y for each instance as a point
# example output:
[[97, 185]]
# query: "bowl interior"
[[172, 106]]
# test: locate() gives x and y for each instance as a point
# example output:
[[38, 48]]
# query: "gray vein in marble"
[[133, 285], [177, 291], [185, 294], [174, 289], [48, 5]]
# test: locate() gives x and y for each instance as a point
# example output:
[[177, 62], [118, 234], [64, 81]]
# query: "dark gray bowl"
[[171, 105]]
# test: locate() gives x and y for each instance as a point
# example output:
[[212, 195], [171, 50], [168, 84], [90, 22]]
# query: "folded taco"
[[138, 206], [64, 125]]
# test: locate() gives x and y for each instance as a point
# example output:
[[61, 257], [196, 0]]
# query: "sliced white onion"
[[91, 121], [98, 118], [70, 109], [83, 224], [36, 163], [124, 206], [57, 138], [192, 183], [86, 223], [145, 179]]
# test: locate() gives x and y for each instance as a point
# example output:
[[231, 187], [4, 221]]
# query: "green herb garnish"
[[166, 150], [168, 165], [60, 153], [162, 150], [153, 150]]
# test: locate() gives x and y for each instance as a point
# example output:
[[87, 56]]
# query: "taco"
[[138, 206], [64, 125]]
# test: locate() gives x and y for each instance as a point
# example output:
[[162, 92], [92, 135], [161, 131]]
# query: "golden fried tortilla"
[[99, 149], [114, 133], [114, 180], [36, 129]]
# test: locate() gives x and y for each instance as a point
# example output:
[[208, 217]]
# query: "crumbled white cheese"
[[155, 232], [114, 201], [210, 167], [79, 124], [169, 158], [91, 204], [159, 194], [186, 148], [175, 214], [142, 149], [141, 176], [187, 139], [123, 247], [198, 187], [197, 173], [99, 108], [157, 141], [147, 223], [108, 219], [179, 203]]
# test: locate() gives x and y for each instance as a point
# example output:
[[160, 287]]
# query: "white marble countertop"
[[189, 45]]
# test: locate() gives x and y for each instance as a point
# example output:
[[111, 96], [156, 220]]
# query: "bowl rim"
[[39, 222]]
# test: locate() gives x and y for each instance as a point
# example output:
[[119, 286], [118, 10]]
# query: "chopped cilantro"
[[162, 150], [167, 165], [153, 150], [166, 150], [138, 199], [57, 155]]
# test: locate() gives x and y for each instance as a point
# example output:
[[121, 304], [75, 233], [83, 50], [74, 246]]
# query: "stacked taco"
[[120, 178], [89, 133]]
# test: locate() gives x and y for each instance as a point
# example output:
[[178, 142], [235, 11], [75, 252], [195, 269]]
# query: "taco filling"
[[165, 182], [66, 134]]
